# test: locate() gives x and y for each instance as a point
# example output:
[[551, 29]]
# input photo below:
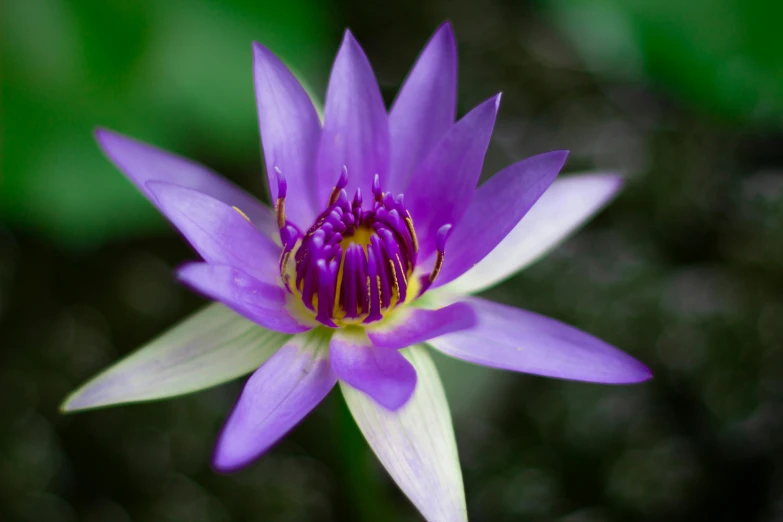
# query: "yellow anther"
[[412, 232], [280, 210], [394, 277], [438, 266], [241, 213]]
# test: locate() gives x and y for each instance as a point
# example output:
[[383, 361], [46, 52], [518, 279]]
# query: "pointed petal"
[[424, 109], [416, 443], [568, 203], [210, 347], [275, 399], [518, 340], [218, 232], [356, 130], [141, 163], [441, 187], [262, 303], [409, 326], [498, 205], [290, 132], [384, 375]]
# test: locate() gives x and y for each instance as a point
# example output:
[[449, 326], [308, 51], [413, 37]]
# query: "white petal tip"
[[87, 398], [619, 180], [416, 444]]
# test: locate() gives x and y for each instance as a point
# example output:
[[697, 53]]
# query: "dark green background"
[[684, 270]]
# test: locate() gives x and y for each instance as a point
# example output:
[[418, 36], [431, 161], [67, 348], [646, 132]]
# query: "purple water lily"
[[377, 238]]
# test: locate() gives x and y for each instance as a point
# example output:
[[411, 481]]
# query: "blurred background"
[[683, 271]]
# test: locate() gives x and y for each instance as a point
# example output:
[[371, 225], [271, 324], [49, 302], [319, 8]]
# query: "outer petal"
[[143, 163], [568, 203], [262, 303], [442, 186], [416, 443], [218, 232], [384, 375], [356, 131], [409, 326], [498, 205], [210, 347], [514, 339], [290, 131], [424, 109], [275, 399]]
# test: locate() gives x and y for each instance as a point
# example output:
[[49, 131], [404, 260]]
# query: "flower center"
[[353, 264]]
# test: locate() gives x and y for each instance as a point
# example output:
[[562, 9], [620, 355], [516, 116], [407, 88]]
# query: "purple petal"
[[416, 443], [568, 203], [424, 109], [514, 339], [410, 326], [498, 205], [260, 302], [142, 163], [441, 187], [275, 399], [384, 375], [290, 131], [219, 233], [356, 131]]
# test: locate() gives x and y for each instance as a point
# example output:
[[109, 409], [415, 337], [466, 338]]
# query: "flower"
[[346, 279]]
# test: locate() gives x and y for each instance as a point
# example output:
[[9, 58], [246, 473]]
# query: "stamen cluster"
[[353, 264]]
